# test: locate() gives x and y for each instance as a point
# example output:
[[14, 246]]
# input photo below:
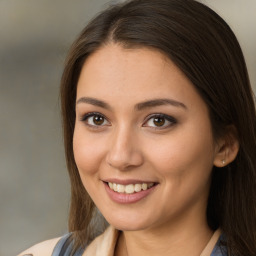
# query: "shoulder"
[[104, 244], [42, 249]]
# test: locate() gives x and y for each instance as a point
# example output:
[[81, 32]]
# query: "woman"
[[159, 127]]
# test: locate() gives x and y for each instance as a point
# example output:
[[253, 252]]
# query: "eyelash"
[[85, 118], [172, 121]]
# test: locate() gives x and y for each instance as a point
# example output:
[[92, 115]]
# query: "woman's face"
[[142, 129]]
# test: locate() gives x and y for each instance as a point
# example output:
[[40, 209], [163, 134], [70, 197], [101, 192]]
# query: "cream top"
[[103, 245]]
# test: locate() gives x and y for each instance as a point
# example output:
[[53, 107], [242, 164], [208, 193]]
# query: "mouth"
[[128, 191], [130, 188]]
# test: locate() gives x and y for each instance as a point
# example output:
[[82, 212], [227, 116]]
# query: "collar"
[[104, 245]]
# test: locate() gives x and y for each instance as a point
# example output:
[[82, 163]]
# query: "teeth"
[[144, 186], [120, 188], [129, 189], [110, 185], [137, 187]]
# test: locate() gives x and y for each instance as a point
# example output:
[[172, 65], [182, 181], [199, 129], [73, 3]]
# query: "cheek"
[[88, 152], [183, 164], [189, 151]]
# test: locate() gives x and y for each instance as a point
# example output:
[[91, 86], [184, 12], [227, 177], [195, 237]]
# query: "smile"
[[129, 191], [130, 188]]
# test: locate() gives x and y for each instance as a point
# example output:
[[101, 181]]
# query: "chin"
[[128, 223], [128, 226]]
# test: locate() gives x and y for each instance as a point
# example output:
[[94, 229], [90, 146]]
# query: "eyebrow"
[[159, 102], [139, 106], [95, 102]]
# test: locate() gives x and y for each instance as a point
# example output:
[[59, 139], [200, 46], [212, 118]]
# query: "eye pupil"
[[98, 120], [159, 121]]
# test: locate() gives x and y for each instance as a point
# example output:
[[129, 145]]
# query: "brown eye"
[[159, 121], [95, 119], [98, 120]]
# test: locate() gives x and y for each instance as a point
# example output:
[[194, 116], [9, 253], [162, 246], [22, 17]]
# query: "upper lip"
[[127, 181]]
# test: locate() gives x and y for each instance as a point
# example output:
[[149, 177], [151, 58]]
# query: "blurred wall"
[[240, 15], [34, 38]]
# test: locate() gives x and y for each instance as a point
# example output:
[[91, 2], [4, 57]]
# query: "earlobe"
[[227, 148]]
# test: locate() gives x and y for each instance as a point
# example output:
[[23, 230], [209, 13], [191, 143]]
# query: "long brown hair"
[[205, 49]]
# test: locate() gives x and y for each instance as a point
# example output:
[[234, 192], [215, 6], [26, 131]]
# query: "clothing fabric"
[[104, 245], [64, 247]]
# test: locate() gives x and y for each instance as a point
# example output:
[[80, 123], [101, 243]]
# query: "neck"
[[172, 240]]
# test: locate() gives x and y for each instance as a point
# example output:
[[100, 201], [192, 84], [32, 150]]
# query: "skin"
[[178, 155]]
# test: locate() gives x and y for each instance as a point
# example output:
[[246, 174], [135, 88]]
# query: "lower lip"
[[123, 198]]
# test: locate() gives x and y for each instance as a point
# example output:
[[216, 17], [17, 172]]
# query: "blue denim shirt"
[[219, 250]]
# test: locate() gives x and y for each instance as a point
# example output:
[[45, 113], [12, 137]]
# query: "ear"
[[227, 147]]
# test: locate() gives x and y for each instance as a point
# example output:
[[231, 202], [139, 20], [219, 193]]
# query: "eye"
[[95, 119], [160, 121]]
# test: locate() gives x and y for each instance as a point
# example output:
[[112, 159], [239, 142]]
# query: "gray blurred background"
[[34, 39]]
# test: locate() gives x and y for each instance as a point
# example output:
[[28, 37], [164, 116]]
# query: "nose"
[[124, 150]]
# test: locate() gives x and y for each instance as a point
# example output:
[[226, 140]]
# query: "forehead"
[[115, 62], [133, 75]]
